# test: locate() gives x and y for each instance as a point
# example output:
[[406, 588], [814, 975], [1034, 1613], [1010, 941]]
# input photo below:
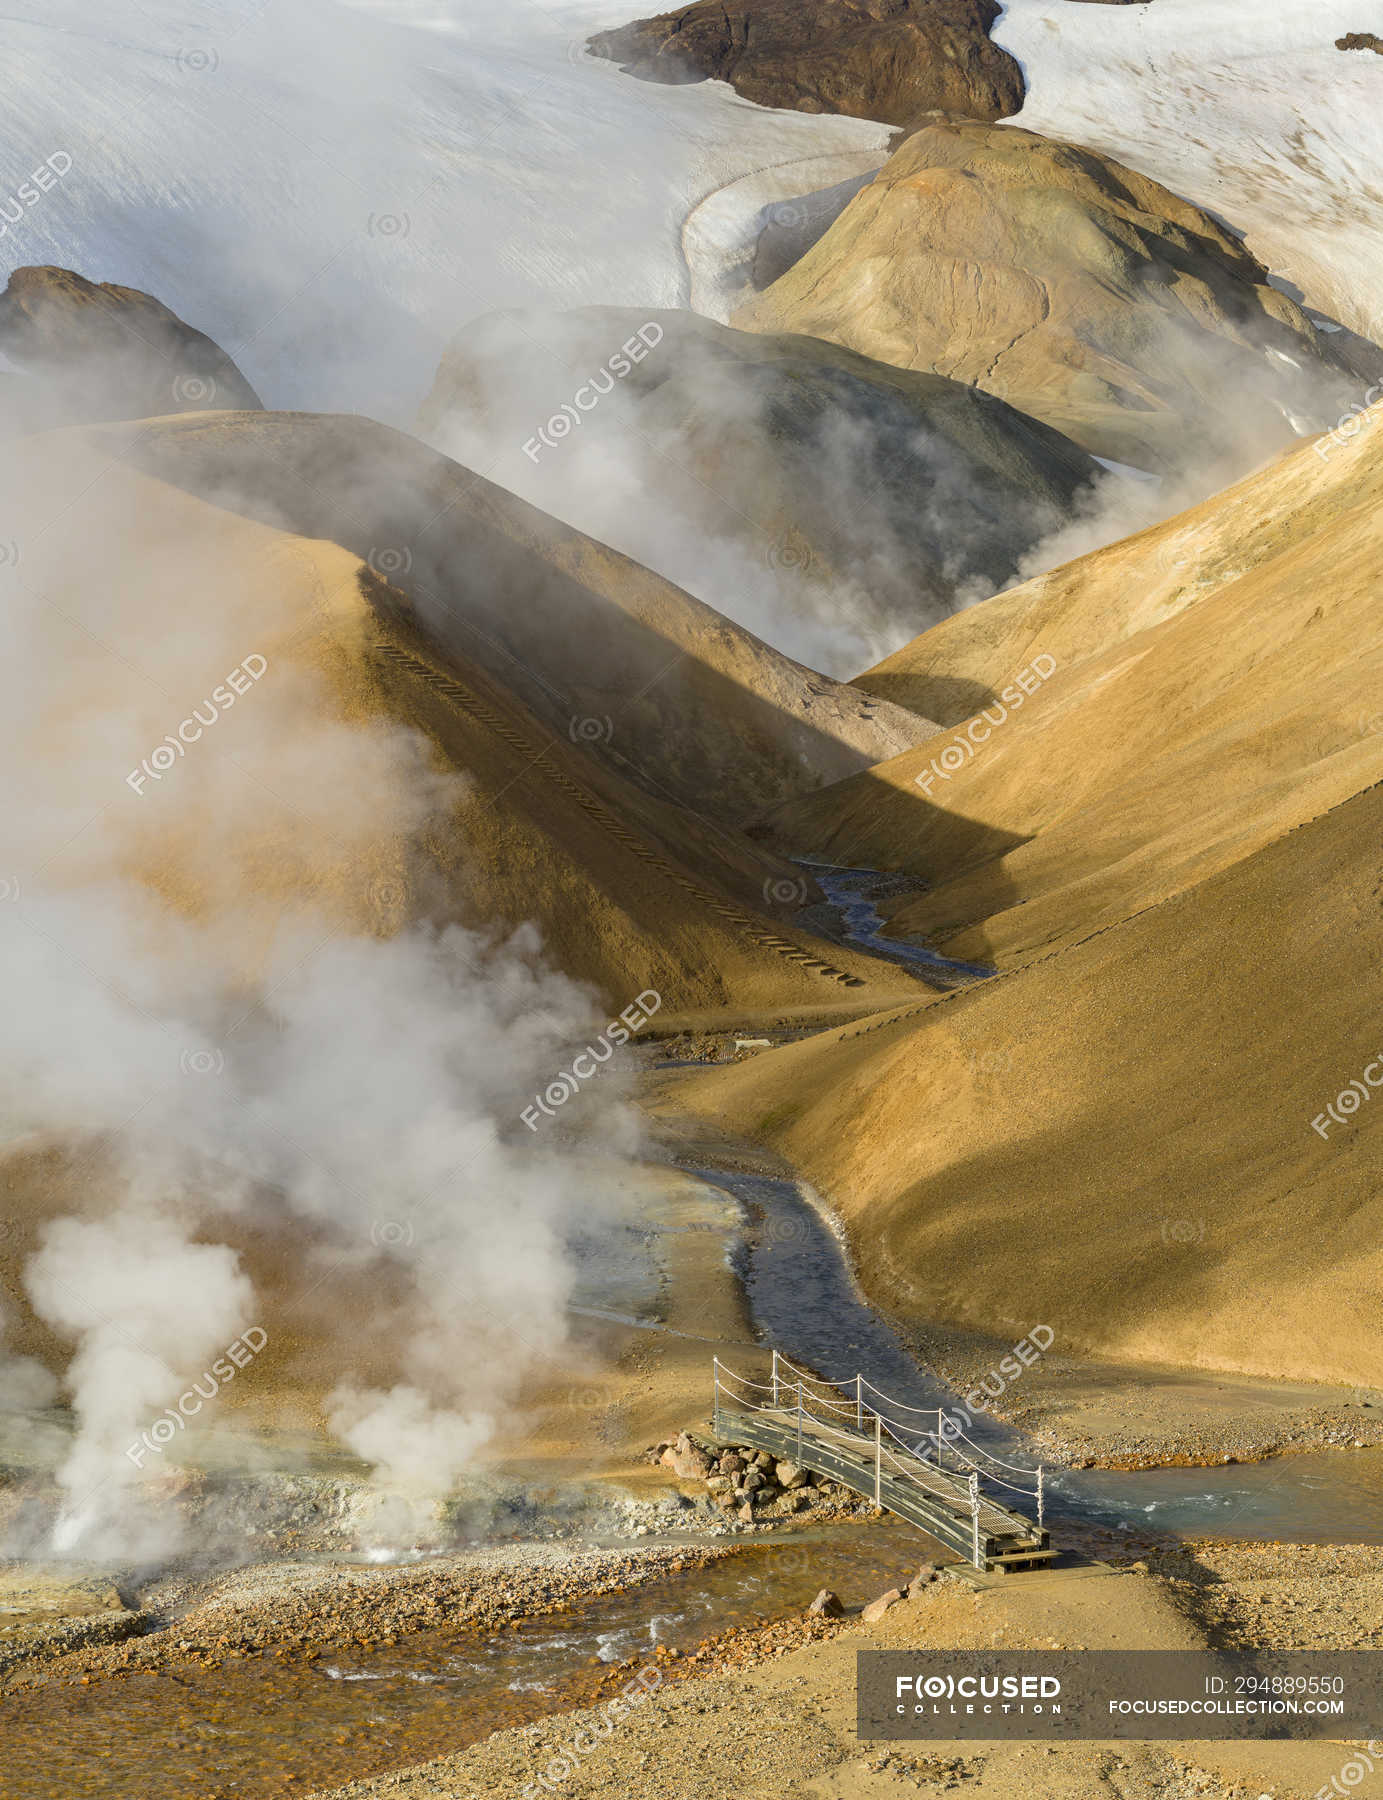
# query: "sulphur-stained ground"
[[787, 1726]]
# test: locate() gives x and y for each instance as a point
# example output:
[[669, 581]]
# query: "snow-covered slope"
[[331, 188], [1249, 110]]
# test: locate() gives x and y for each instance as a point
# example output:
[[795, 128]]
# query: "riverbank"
[[787, 1725], [302, 1610], [1092, 1413], [1079, 1410]]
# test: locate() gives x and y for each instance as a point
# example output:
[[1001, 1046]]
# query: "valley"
[[690, 709]]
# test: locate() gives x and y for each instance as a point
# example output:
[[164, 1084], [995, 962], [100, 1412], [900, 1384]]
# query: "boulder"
[[687, 1460], [877, 1608], [100, 352], [890, 60], [731, 1463], [923, 1578], [754, 1478], [826, 1605], [790, 1475]]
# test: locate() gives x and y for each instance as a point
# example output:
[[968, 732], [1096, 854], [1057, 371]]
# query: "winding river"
[[807, 1304]]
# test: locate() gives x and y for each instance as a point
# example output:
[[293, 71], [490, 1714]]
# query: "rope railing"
[[998, 1461], [934, 1489], [793, 1393], [946, 1436]]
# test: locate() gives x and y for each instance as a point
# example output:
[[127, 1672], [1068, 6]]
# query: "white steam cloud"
[[215, 997]]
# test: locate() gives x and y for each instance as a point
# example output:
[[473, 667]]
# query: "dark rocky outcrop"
[[1360, 40], [890, 60], [93, 351], [760, 1489]]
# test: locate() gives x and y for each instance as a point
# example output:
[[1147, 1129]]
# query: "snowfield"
[[1249, 110], [331, 188]]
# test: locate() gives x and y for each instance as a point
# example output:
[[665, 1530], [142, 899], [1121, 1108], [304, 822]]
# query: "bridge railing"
[[863, 1419]]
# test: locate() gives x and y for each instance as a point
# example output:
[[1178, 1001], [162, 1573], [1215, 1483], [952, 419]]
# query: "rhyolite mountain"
[[645, 678], [94, 350], [1170, 852], [1080, 291]]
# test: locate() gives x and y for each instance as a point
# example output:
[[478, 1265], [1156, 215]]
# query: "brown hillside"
[[870, 59], [667, 691], [882, 497], [1116, 1141], [1216, 683]]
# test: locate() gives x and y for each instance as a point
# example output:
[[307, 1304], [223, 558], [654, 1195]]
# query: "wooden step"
[[1019, 1559]]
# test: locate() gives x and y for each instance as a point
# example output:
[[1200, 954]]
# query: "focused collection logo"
[[937, 1696]]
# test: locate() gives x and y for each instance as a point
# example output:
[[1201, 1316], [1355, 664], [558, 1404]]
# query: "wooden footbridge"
[[912, 1461]]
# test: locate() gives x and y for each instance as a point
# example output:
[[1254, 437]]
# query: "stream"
[[851, 916], [257, 1725], [807, 1304]]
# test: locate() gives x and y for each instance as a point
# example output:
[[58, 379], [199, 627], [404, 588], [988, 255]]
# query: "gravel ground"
[[781, 1722], [1293, 1596], [303, 1609], [1105, 1415]]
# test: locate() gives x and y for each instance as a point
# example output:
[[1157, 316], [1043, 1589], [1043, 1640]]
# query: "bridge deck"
[[936, 1500]]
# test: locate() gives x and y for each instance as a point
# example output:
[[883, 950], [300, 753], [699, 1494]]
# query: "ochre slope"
[[366, 778], [664, 688], [1100, 600], [1215, 683], [1117, 1140]]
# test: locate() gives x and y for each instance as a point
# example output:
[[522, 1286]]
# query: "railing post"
[[715, 1410], [1040, 1492], [859, 1403], [775, 1380], [940, 1439], [878, 1460], [976, 1558], [799, 1418]]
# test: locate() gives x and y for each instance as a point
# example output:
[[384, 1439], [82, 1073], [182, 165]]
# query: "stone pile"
[[753, 1485]]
